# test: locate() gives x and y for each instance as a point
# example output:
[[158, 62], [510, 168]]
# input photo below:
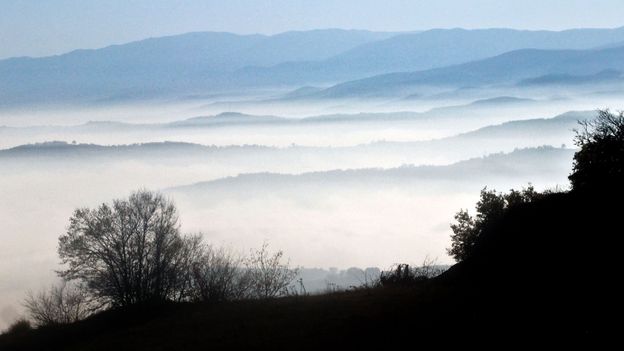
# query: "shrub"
[[219, 275], [404, 275], [60, 304], [269, 275], [20, 326]]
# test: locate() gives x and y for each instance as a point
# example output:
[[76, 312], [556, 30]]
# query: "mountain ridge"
[[190, 64]]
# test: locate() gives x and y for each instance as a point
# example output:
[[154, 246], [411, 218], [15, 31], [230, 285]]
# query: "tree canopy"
[[132, 251], [600, 160], [491, 206], [129, 251]]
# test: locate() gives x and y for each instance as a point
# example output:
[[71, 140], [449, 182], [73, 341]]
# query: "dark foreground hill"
[[546, 269]]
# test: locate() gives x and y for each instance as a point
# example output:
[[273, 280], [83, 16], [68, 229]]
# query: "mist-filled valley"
[[342, 148]]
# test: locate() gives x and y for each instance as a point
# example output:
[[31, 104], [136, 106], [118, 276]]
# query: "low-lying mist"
[[336, 184], [320, 219]]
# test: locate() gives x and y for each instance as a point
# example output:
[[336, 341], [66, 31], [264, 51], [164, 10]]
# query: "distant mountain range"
[[430, 49], [571, 79], [521, 66], [157, 66], [201, 63]]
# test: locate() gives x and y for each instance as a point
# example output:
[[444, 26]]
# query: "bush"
[[19, 327], [404, 275], [269, 276], [219, 276], [60, 304]]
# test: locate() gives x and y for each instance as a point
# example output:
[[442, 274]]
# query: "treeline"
[[598, 168], [131, 252]]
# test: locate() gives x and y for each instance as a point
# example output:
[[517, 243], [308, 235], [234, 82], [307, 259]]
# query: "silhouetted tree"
[[269, 275], [219, 275], [60, 304], [491, 206], [600, 160], [129, 251]]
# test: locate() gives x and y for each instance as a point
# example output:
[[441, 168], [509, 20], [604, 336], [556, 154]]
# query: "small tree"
[[491, 206], [269, 276], [130, 251], [60, 304], [219, 275], [600, 160]]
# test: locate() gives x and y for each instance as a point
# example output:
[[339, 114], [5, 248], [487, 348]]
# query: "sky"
[[40, 28]]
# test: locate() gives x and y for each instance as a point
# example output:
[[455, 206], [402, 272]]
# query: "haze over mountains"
[[504, 137], [324, 143], [198, 64], [161, 65], [509, 68], [433, 49]]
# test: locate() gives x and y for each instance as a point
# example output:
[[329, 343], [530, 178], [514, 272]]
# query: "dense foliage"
[[600, 160], [491, 207]]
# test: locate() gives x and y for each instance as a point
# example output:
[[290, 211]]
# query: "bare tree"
[[129, 251], [219, 275], [270, 277], [60, 304]]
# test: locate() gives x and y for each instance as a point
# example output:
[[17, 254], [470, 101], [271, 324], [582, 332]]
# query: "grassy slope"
[[340, 319], [545, 270]]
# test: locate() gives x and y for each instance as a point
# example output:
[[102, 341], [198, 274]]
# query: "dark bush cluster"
[[60, 304], [599, 163], [19, 327], [406, 275], [490, 207]]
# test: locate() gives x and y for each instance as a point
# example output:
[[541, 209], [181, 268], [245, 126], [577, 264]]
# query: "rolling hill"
[[502, 292], [503, 137], [520, 165]]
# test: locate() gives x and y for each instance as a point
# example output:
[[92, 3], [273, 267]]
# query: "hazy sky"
[[36, 28]]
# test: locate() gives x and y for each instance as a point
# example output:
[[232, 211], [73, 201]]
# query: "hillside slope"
[[542, 271]]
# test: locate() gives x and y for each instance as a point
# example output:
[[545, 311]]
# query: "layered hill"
[[506, 69], [196, 64]]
